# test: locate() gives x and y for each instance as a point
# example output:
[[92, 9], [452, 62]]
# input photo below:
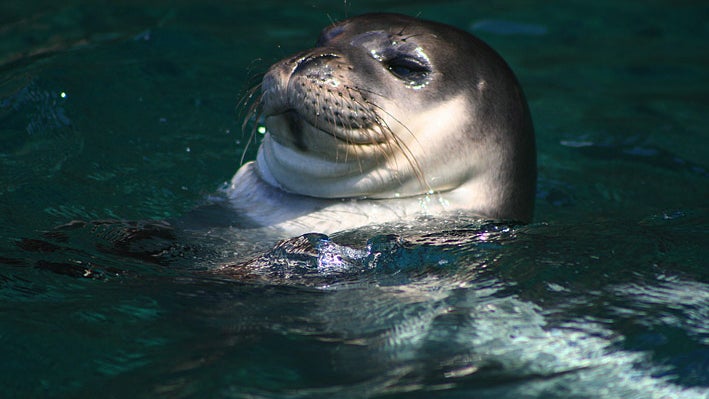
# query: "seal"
[[388, 117]]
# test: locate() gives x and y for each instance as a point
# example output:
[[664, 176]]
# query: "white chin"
[[299, 172]]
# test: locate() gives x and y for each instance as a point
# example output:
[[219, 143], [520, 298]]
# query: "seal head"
[[389, 107]]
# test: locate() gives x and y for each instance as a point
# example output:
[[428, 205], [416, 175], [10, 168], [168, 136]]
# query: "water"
[[119, 116]]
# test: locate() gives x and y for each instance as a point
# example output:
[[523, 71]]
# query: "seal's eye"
[[408, 68]]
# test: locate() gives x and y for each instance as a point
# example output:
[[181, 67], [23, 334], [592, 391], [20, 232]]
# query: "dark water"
[[123, 114]]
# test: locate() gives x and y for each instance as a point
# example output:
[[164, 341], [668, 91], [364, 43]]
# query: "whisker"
[[252, 135], [330, 116], [252, 107], [361, 90], [401, 32], [403, 39], [246, 98], [394, 142], [254, 113], [347, 9], [406, 151]]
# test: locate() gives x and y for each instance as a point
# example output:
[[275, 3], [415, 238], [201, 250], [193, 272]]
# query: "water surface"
[[115, 117]]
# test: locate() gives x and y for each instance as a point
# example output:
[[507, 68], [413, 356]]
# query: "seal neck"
[[263, 171]]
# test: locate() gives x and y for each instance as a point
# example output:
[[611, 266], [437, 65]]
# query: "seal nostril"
[[314, 61]]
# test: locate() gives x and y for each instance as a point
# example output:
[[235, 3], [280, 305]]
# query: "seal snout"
[[316, 88]]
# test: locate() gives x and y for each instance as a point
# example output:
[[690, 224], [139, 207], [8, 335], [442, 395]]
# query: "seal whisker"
[[392, 141], [349, 148], [369, 116], [403, 28], [252, 135], [246, 98], [337, 121], [409, 156], [403, 39], [254, 112], [406, 26], [405, 150], [360, 90]]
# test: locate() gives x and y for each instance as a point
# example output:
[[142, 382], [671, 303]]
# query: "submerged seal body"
[[388, 117]]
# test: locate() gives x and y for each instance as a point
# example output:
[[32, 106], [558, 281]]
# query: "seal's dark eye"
[[407, 68]]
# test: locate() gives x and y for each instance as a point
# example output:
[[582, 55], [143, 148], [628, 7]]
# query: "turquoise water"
[[115, 116]]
